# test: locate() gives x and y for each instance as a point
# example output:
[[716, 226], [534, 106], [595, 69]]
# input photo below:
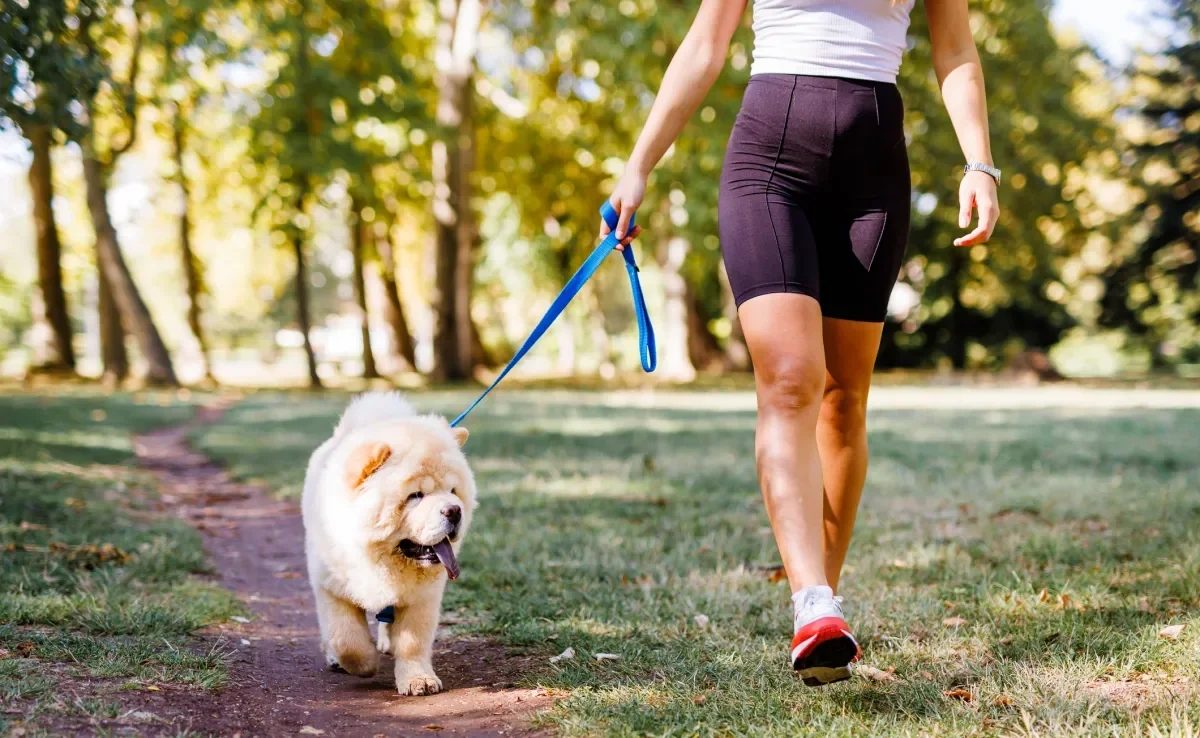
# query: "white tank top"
[[858, 39]]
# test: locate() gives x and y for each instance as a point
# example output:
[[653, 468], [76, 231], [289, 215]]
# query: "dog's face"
[[416, 490]]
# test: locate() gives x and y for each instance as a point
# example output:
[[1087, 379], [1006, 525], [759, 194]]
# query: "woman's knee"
[[844, 408], [793, 384]]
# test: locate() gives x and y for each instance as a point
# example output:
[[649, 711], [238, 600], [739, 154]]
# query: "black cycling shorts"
[[815, 193]]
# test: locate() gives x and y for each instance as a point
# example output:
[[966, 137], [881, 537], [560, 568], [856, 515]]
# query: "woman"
[[814, 213]]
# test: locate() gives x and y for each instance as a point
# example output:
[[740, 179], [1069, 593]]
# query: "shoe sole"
[[829, 662]]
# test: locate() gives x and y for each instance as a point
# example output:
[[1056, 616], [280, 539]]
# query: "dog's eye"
[[415, 496]]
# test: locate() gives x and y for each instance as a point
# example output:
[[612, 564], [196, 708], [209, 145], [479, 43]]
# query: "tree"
[[32, 35], [1153, 284], [453, 167], [360, 236], [59, 355], [97, 168]]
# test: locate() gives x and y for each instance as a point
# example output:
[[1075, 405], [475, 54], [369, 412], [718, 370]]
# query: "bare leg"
[[850, 349], [412, 643], [345, 637], [783, 333]]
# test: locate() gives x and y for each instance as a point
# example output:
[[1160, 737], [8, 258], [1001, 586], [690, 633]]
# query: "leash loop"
[[646, 346]]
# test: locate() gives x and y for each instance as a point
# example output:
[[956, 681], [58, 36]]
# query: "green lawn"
[[97, 593], [1011, 573]]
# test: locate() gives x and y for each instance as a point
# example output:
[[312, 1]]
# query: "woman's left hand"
[[978, 190]]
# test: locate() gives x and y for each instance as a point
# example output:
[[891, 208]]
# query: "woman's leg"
[[784, 335], [850, 349]]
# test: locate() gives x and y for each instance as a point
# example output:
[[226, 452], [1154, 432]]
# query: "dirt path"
[[280, 684]]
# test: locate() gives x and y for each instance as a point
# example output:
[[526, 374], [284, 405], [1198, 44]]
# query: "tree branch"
[[131, 107]]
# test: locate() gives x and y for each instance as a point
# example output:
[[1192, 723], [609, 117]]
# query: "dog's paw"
[[419, 685], [360, 663], [383, 642]]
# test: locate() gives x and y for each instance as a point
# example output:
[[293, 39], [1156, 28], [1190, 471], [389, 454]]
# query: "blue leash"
[[647, 349], [571, 289]]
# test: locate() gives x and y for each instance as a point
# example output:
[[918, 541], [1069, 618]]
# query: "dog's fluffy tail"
[[372, 407]]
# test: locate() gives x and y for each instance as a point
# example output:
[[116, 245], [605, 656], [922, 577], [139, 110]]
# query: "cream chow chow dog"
[[387, 501]]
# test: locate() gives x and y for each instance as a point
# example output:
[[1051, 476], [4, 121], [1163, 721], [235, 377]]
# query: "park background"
[[215, 193], [273, 171]]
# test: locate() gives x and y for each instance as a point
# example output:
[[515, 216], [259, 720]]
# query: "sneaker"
[[823, 647]]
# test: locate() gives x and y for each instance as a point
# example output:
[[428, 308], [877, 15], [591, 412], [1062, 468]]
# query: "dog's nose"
[[453, 513]]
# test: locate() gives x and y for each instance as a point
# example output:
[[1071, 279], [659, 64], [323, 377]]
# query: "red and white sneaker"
[[823, 647]]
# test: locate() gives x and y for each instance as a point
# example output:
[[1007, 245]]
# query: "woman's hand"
[[978, 190], [625, 199]]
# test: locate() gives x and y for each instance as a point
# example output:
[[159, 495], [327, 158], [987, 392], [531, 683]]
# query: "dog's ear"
[[364, 461], [460, 435]]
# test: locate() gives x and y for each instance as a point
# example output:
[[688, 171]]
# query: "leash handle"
[[646, 345]]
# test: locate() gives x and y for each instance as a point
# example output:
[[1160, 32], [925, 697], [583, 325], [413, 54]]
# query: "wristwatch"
[[990, 171]]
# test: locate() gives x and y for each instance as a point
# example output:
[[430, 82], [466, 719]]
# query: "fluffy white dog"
[[387, 501]]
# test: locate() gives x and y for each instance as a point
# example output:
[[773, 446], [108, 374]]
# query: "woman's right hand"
[[625, 199]]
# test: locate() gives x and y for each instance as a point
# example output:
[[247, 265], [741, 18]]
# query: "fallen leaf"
[[1064, 601], [1043, 596], [900, 564], [959, 693], [1144, 605], [1002, 701], [287, 575], [27, 526], [239, 619], [1171, 631], [153, 688], [701, 621], [776, 574], [4, 653], [699, 699], [954, 622], [873, 674], [310, 730], [606, 656], [927, 674], [245, 642], [141, 715], [1006, 640], [433, 726], [565, 655]]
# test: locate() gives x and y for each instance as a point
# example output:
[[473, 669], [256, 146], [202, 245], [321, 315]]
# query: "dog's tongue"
[[445, 555]]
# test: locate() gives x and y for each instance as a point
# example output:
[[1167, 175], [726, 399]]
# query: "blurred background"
[[302, 192]]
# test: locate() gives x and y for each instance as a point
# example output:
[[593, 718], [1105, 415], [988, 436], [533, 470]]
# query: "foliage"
[[1154, 288]]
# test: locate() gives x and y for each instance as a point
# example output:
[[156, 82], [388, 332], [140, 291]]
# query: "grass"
[[99, 595], [1010, 575]]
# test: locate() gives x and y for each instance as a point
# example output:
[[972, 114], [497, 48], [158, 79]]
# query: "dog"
[[387, 501]]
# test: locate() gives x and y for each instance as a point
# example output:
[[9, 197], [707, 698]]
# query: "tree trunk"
[[191, 266], [955, 332], [453, 162], [112, 334], [703, 349], [394, 312], [735, 345], [57, 353], [134, 315], [674, 361], [358, 241], [303, 310]]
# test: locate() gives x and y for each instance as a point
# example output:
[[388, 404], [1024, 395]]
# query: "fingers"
[[966, 198], [623, 221], [637, 231], [979, 235]]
